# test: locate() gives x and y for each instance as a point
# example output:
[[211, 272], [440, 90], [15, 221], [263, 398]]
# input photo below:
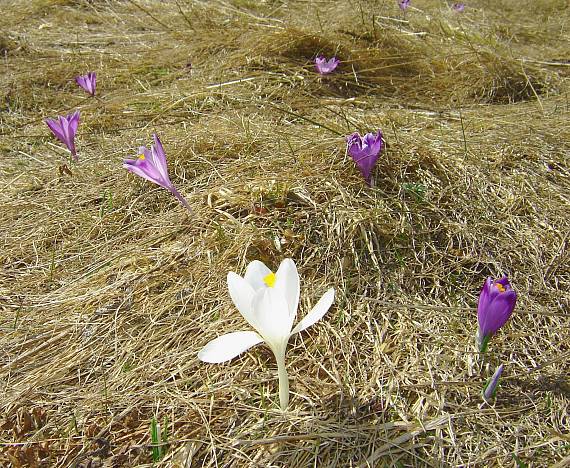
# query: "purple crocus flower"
[[496, 304], [87, 82], [325, 66], [458, 7], [403, 4], [365, 151], [64, 129], [151, 165], [491, 387]]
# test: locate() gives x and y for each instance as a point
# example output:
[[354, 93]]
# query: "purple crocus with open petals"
[[458, 7], [403, 4], [491, 388], [496, 304], [87, 82], [64, 129], [365, 151], [325, 66], [151, 165]]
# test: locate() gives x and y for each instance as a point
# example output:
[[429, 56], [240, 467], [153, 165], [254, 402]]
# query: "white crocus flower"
[[268, 302]]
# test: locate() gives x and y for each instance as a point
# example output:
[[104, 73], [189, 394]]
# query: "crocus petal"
[[483, 303], [316, 312], [73, 120], [159, 157], [271, 315], [255, 273], [242, 294], [55, 129], [287, 284], [228, 346], [146, 171], [93, 82], [499, 312]]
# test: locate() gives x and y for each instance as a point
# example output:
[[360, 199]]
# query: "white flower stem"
[[283, 381]]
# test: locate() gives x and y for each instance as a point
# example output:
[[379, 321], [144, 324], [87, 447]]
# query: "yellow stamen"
[[141, 156], [500, 287], [269, 279]]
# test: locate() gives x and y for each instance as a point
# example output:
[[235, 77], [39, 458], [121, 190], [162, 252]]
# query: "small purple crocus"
[[64, 129], [403, 4], [324, 66], [491, 387], [458, 7], [151, 165], [87, 82], [496, 304], [365, 151]]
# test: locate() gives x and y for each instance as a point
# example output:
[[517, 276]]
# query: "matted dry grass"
[[109, 288]]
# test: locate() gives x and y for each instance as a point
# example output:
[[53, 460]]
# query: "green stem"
[[283, 381]]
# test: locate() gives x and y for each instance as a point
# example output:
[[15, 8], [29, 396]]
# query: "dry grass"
[[109, 289]]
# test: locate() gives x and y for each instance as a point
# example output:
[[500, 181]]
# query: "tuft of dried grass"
[[109, 289]]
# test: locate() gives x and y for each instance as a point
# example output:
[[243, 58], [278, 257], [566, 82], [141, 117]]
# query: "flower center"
[[500, 287], [141, 156], [269, 279]]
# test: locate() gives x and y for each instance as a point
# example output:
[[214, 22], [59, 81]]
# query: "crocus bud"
[[496, 304], [491, 387]]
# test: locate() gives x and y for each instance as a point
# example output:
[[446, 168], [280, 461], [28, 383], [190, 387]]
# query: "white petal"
[[242, 296], [255, 273], [287, 283], [316, 312], [271, 315], [228, 346]]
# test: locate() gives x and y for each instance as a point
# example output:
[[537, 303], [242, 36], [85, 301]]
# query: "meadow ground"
[[109, 287]]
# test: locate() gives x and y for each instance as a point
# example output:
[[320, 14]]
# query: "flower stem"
[[182, 200], [283, 381]]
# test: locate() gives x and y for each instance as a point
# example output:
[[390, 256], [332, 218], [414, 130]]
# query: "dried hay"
[[109, 289]]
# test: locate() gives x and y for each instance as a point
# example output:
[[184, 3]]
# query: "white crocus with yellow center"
[[268, 301]]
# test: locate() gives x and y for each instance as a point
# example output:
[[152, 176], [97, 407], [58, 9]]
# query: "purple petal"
[[144, 169], [498, 312], [73, 122], [92, 76], [159, 157], [483, 304], [55, 129], [504, 281], [496, 305]]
